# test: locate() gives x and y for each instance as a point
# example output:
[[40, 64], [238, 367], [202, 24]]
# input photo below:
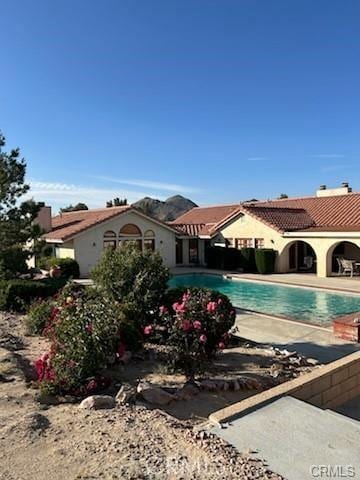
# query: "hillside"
[[168, 210]]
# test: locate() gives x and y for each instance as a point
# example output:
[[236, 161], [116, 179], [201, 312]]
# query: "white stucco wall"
[[88, 246]]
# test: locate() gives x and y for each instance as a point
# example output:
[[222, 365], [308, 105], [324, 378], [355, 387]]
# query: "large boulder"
[[96, 402]]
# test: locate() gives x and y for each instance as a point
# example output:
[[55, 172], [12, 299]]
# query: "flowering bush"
[[195, 323], [88, 331]]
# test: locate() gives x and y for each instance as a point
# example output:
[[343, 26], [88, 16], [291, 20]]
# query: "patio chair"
[[347, 266], [340, 268]]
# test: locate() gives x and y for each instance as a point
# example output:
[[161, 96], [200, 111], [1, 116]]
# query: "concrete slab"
[[309, 340], [295, 438]]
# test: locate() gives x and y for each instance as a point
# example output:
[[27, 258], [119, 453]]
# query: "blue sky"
[[217, 100]]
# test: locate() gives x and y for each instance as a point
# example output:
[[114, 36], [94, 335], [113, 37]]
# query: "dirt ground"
[[39, 441]]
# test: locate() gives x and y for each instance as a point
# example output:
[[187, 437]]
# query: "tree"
[[282, 196], [17, 228], [116, 202], [75, 208]]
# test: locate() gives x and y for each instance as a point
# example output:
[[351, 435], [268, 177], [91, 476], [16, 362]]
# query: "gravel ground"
[[127, 442]]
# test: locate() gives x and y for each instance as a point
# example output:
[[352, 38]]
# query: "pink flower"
[[179, 307], [163, 309], [221, 345], [186, 296], [197, 325], [186, 325], [148, 330], [91, 386], [203, 338], [220, 301], [211, 307]]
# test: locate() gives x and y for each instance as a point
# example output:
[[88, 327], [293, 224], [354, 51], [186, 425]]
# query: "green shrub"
[[248, 255], [38, 316], [69, 266], [131, 276], [265, 260], [196, 325], [88, 332], [16, 295], [224, 258]]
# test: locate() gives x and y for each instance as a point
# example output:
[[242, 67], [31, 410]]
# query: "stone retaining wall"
[[328, 386]]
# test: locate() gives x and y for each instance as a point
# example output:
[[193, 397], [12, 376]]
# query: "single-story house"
[[310, 234], [84, 234]]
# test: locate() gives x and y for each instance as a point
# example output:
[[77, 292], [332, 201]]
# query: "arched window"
[[110, 239], [149, 240], [130, 230], [130, 233]]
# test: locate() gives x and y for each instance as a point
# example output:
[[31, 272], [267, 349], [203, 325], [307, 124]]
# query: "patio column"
[[323, 266]]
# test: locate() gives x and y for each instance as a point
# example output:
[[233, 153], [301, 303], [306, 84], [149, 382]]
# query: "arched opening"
[[344, 259], [130, 233], [109, 239], [301, 257], [149, 240]]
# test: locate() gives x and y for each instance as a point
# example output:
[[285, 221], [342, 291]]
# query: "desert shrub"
[[131, 276], [196, 325], [38, 316], [248, 255], [265, 260], [69, 266], [16, 295], [88, 331]]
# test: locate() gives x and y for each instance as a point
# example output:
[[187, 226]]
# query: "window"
[[109, 239], [130, 233], [243, 242], [179, 250], [149, 240], [193, 250], [259, 243]]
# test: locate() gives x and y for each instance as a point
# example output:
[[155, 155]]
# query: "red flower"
[[148, 330], [186, 325], [221, 345], [197, 325], [203, 338], [91, 386]]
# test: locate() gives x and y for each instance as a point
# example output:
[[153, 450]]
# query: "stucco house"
[[84, 234], [309, 233]]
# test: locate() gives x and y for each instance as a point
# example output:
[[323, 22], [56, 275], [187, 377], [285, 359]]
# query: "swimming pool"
[[306, 304]]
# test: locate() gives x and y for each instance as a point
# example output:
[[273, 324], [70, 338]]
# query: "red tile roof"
[[332, 213], [68, 225], [328, 213]]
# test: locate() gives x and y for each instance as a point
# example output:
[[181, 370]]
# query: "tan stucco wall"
[[65, 250], [89, 246], [323, 244]]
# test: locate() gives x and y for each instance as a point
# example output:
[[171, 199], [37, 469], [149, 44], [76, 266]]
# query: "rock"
[[188, 391], [155, 395], [95, 402], [208, 385], [126, 395]]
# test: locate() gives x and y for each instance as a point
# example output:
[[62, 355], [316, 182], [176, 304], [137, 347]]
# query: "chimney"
[[344, 189], [44, 218]]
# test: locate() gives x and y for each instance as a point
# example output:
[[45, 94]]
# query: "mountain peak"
[[168, 210]]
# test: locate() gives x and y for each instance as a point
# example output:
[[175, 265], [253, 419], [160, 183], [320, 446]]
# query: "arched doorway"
[[301, 257], [343, 258]]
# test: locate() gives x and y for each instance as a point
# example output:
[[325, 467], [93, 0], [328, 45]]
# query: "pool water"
[[306, 304]]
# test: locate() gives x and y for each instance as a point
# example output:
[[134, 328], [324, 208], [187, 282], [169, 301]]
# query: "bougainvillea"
[[195, 323]]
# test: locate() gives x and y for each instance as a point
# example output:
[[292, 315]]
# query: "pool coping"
[[230, 276]]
